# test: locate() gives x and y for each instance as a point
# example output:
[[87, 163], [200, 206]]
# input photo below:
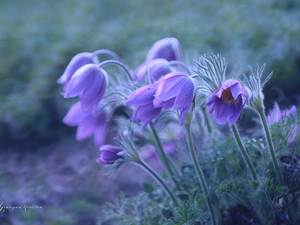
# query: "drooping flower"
[[143, 99], [76, 62], [109, 154], [174, 91], [90, 123], [152, 70], [89, 83], [166, 48], [226, 102]]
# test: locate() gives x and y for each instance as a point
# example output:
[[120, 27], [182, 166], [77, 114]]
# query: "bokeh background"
[[40, 162]]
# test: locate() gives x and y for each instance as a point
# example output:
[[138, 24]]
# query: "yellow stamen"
[[227, 96]]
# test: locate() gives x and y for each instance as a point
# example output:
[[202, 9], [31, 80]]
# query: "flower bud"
[[109, 154], [166, 48]]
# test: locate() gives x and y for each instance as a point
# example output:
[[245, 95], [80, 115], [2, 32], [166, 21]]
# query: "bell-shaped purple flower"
[[143, 99], [89, 83], [76, 62], [153, 70], [174, 91], [90, 123], [226, 103], [109, 154], [166, 48]]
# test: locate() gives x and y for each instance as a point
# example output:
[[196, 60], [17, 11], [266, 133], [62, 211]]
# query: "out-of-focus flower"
[[226, 102], [176, 91], [89, 83], [166, 48], [143, 99], [275, 115], [76, 62], [109, 154], [90, 123], [153, 70]]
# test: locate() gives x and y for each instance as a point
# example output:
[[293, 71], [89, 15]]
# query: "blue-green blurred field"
[[39, 37]]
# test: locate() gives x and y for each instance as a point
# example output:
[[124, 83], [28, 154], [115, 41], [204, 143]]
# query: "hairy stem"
[[162, 155], [200, 173], [148, 169], [243, 151]]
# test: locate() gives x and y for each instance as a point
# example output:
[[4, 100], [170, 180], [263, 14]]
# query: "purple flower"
[[176, 91], [109, 154], [275, 115], [76, 62], [90, 123], [167, 48], [89, 83], [226, 103], [143, 99], [154, 69]]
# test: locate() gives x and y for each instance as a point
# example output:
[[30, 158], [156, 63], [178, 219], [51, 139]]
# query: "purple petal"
[[81, 80], [222, 111], [167, 48], [236, 90], [77, 61], [94, 93], [154, 69], [86, 128], [237, 109], [141, 96], [169, 89], [185, 95], [75, 115], [100, 130]]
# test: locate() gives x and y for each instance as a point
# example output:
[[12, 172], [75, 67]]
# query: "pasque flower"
[[226, 102], [90, 123], [275, 115], [166, 48], [153, 70], [143, 99], [76, 62], [109, 154], [174, 91], [89, 83]]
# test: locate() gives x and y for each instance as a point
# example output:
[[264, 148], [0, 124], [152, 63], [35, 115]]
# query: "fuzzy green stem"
[[270, 145], [158, 179], [263, 119], [243, 151], [162, 155], [206, 119], [200, 173], [117, 63]]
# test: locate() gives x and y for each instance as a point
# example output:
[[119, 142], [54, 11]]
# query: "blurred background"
[[41, 164]]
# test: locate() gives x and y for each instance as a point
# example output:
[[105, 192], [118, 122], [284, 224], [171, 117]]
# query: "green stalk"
[[270, 145], [148, 169], [162, 155], [243, 151], [200, 173], [263, 119]]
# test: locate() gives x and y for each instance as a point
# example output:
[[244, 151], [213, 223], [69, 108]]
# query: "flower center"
[[227, 96]]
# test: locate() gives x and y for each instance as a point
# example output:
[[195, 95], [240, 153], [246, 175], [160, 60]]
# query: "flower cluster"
[[164, 110]]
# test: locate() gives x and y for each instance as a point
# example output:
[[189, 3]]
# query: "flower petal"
[[141, 96], [75, 115], [185, 95], [76, 62], [81, 80]]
